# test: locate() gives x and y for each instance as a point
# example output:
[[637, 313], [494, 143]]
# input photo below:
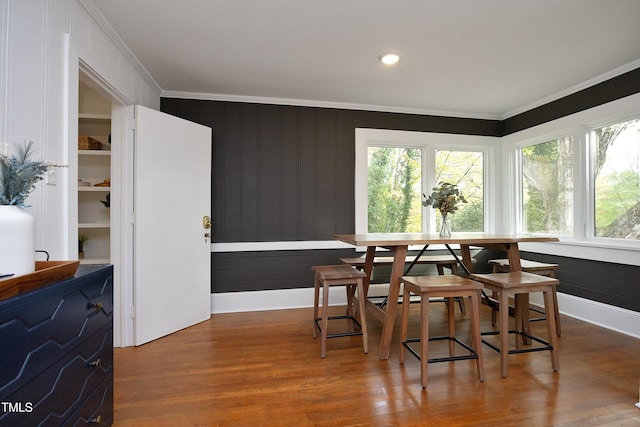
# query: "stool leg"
[[475, 333], [316, 298], [325, 319], [452, 326], [520, 310], [454, 270], [557, 311], [363, 316], [503, 310], [351, 290], [552, 274], [424, 339], [405, 322], [551, 328]]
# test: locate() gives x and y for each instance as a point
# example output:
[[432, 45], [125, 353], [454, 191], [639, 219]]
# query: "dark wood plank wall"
[[285, 173]]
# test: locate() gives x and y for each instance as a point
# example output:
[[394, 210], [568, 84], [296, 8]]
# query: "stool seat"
[[448, 287], [338, 275], [514, 279], [526, 265], [519, 284], [331, 272]]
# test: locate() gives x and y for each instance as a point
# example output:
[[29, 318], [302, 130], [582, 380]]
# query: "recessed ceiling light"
[[389, 58]]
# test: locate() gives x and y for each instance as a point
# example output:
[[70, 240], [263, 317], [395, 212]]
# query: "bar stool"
[[513, 285], [543, 269], [448, 287], [338, 275]]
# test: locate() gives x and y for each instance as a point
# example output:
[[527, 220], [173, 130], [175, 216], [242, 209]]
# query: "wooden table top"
[[401, 239]]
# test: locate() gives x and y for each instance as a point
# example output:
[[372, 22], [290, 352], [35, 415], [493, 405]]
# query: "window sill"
[[615, 252]]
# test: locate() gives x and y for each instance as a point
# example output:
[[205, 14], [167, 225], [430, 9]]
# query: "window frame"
[[428, 143], [583, 244], [518, 179], [590, 223]]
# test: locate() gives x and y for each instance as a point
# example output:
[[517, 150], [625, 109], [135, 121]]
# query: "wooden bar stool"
[[338, 275], [448, 287], [543, 269], [514, 285]]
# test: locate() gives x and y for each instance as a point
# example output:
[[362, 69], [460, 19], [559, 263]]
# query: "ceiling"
[[469, 58]]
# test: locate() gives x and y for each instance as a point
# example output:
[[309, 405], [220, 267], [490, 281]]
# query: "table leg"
[[368, 267], [466, 258], [399, 256]]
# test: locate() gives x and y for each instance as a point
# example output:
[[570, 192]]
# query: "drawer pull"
[[96, 420], [96, 362], [96, 305]]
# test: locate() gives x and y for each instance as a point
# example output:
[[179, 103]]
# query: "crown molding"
[[324, 104], [573, 89], [111, 33]]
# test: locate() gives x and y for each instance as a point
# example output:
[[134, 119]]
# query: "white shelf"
[[95, 261], [93, 116], [94, 166], [94, 152], [94, 189], [94, 225]]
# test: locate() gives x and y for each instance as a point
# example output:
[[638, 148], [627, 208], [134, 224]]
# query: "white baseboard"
[[607, 316], [237, 302]]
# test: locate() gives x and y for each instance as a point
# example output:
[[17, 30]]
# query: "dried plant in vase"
[[445, 197]]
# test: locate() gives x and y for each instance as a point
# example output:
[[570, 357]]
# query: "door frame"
[[121, 191]]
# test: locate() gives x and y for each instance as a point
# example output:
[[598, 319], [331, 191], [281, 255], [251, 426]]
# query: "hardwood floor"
[[264, 369]]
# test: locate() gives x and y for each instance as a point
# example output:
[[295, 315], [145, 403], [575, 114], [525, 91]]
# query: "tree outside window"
[[465, 169], [394, 187], [617, 180], [547, 187]]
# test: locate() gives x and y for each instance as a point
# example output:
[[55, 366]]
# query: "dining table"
[[398, 244]]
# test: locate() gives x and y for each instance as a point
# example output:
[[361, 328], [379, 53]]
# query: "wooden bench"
[[440, 261]]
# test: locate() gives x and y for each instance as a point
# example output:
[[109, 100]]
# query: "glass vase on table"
[[445, 225]]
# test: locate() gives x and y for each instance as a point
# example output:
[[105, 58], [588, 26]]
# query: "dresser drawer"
[[62, 388], [97, 409], [39, 328]]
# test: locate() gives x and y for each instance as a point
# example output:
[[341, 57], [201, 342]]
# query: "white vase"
[[17, 241]]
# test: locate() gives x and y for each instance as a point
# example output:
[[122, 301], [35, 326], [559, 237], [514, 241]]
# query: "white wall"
[[34, 91]]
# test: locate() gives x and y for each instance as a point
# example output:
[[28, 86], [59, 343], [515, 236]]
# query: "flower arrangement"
[[19, 174], [445, 198]]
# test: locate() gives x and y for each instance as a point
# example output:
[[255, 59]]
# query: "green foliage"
[[393, 177], [469, 218], [394, 188], [616, 193], [445, 198], [19, 174]]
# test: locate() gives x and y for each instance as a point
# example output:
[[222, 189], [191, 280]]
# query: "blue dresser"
[[56, 353]]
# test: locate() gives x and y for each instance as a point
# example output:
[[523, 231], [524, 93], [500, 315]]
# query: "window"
[[547, 187], [616, 180], [466, 170], [395, 168], [394, 183]]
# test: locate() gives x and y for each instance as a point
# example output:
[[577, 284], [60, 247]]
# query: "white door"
[[172, 195]]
